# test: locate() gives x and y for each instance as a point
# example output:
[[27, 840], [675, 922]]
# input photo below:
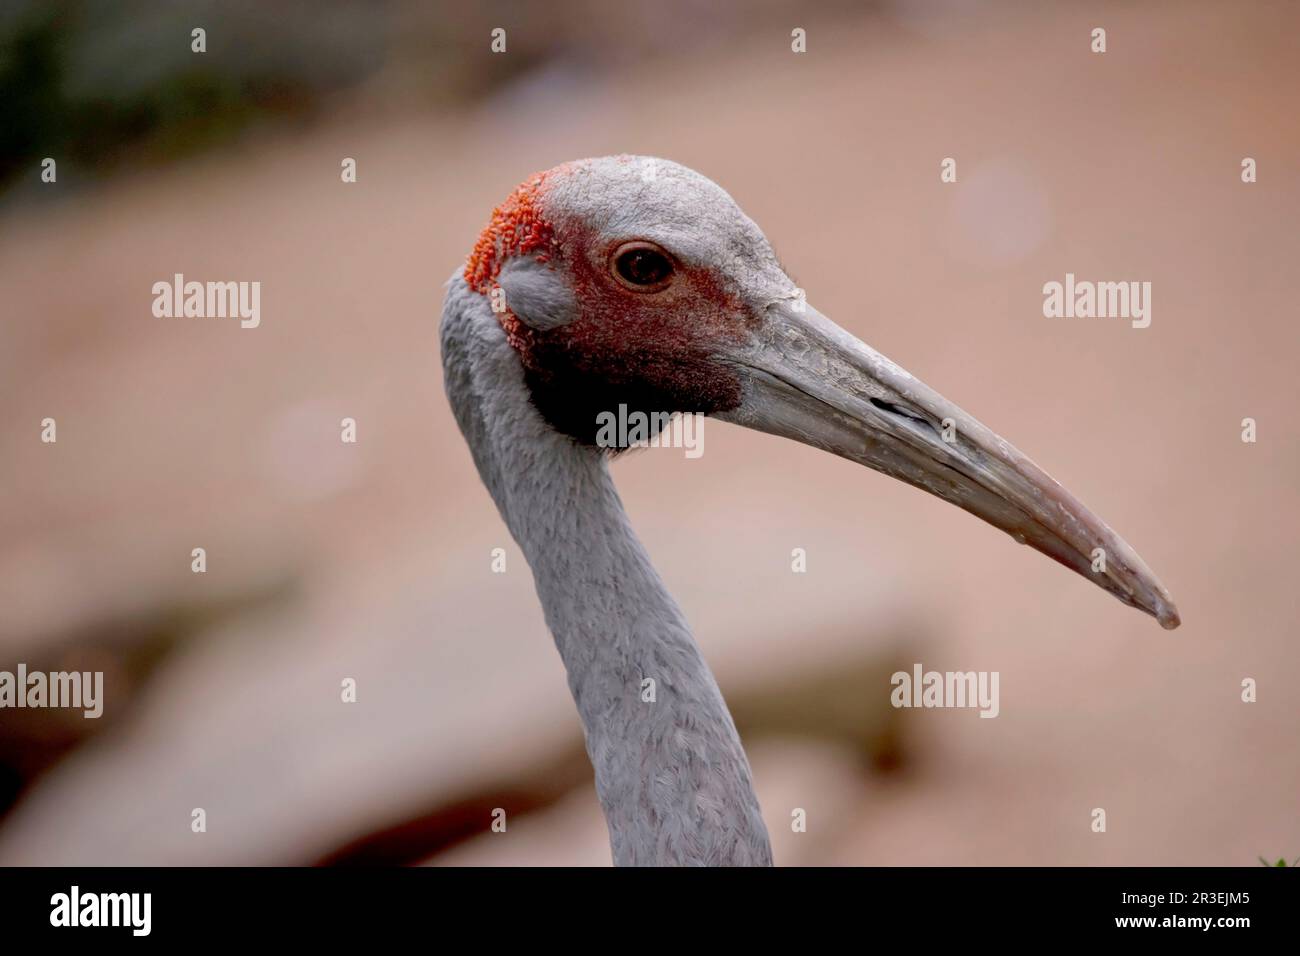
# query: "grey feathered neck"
[[671, 775]]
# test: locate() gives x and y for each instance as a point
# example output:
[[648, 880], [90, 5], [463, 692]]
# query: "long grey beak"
[[808, 379]]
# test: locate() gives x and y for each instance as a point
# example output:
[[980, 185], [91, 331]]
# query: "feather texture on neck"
[[671, 774]]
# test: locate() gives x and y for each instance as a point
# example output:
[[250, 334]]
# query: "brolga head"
[[635, 281]]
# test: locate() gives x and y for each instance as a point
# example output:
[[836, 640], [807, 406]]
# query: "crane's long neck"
[[670, 771]]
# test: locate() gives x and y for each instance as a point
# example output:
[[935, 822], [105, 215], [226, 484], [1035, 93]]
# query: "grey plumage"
[[671, 775], [727, 334]]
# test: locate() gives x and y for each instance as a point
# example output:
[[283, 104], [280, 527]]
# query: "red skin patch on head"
[[517, 228], [654, 352], [651, 351]]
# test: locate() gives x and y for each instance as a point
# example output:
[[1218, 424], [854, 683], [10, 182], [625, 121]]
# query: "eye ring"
[[642, 266]]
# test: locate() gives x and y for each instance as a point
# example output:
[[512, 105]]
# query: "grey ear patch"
[[537, 295]]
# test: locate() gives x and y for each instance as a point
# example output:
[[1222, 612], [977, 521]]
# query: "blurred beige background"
[[372, 560]]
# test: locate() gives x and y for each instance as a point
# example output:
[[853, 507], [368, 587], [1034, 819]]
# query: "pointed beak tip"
[[1166, 613], [811, 381]]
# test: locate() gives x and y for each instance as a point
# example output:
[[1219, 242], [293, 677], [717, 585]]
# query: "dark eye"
[[642, 266]]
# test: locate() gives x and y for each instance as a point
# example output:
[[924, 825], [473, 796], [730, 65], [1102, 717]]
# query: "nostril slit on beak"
[[901, 412]]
